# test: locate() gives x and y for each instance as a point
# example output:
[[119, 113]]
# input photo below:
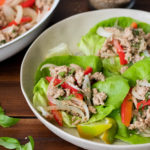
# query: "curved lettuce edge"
[[92, 42], [40, 93], [134, 139], [82, 61], [116, 88], [138, 71]]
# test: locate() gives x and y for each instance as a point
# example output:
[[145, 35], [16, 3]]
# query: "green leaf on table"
[[6, 121], [12, 143]]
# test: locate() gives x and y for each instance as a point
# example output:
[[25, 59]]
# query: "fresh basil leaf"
[[29, 145], [6, 121], [9, 143], [12, 143]]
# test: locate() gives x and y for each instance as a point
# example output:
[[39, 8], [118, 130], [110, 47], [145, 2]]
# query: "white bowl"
[[10, 48], [70, 31]]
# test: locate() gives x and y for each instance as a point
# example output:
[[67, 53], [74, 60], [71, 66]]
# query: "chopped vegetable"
[[126, 110], [27, 3], [120, 52], [2, 2], [57, 115], [11, 143], [134, 25], [94, 129], [88, 70], [66, 86], [6, 121], [62, 74], [142, 104], [25, 19]]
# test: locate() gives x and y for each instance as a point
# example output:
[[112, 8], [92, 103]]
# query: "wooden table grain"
[[12, 100]]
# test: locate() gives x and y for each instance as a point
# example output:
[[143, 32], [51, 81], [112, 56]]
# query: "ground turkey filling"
[[75, 76], [10, 27], [141, 113], [133, 42]]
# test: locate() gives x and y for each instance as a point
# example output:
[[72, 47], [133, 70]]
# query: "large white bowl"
[[9, 49], [70, 31]]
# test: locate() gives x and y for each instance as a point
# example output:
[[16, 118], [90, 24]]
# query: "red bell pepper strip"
[[126, 109], [66, 86], [25, 20], [57, 115], [2, 2], [120, 52], [88, 70], [134, 25], [143, 104], [27, 3]]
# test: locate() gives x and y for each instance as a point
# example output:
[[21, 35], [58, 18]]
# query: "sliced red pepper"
[[88, 70], [27, 3], [66, 86], [25, 19], [143, 104], [126, 109], [57, 115], [120, 52], [134, 25], [2, 2]]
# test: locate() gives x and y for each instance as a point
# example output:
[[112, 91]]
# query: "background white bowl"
[[9, 49], [70, 31]]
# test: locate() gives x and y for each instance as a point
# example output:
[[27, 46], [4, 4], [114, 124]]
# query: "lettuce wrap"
[[91, 43], [82, 61], [138, 71]]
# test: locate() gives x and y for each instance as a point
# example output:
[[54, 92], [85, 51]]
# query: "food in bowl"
[[18, 16], [119, 42], [83, 92]]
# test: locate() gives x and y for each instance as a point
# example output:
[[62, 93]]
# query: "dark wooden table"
[[12, 100]]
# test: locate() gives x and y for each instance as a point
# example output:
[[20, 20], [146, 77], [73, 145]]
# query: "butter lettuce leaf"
[[134, 139], [116, 88], [102, 112], [82, 61], [91, 43], [122, 129], [40, 93], [138, 71]]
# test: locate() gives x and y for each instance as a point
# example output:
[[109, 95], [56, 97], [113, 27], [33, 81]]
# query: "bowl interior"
[[69, 31]]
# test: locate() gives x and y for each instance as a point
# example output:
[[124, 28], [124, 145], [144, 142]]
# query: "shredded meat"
[[98, 76], [3, 20], [55, 92], [139, 91], [70, 79], [55, 70], [42, 3], [133, 42], [79, 73], [92, 109], [123, 69], [142, 122], [98, 97]]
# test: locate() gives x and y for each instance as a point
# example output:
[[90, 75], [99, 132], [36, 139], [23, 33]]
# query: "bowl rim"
[[42, 119], [54, 5]]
